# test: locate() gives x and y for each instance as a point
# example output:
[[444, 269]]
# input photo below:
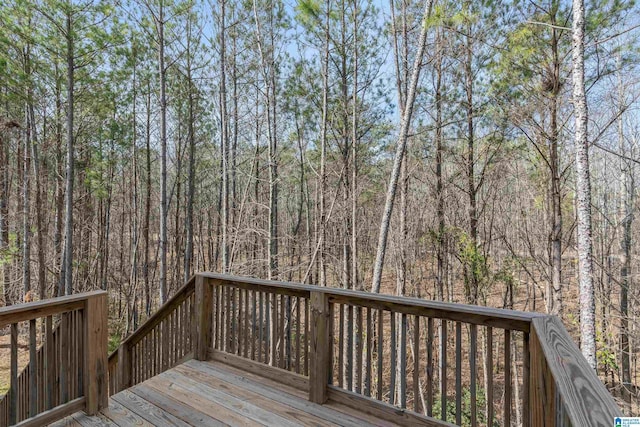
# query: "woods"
[[481, 152]]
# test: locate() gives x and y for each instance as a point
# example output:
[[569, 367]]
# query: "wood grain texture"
[[35, 310], [95, 353], [556, 360], [319, 352]]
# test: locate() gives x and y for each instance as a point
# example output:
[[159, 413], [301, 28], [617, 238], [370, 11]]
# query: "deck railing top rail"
[[473, 314]]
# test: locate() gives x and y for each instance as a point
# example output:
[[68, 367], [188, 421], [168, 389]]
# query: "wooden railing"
[[160, 343], [403, 360], [67, 373]]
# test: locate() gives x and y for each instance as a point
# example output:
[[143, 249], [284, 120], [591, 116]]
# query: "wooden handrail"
[[68, 373], [473, 314], [563, 383], [154, 339], [48, 307]]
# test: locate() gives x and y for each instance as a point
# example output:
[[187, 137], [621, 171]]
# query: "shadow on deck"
[[214, 394]]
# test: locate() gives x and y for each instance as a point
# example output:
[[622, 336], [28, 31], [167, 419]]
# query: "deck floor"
[[214, 394]]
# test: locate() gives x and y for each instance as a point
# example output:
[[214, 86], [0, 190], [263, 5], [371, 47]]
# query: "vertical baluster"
[[240, 325], [273, 329], [64, 357], [254, 325], [489, 370], [473, 373], [380, 355], [359, 335], [367, 377], [430, 366], [261, 326], [298, 332], [341, 359], [416, 363], [81, 320], [443, 369], [392, 381], [526, 365], [228, 315], [288, 320], [507, 378], [33, 377], [281, 332], [49, 362], [247, 325], [13, 406], [349, 362], [306, 336], [216, 317], [403, 361], [331, 343], [458, 373]]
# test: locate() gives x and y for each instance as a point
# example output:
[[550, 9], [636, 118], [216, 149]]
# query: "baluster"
[[489, 370], [416, 363], [380, 354], [403, 361], [473, 373], [458, 373], [254, 325], [507, 378], [392, 381], [13, 408], [430, 366], [49, 362], [261, 326], [367, 378], [526, 366], [443, 369], [341, 347], [298, 323], [331, 343], [358, 387], [33, 376], [64, 357], [282, 333], [349, 363], [247, 326], [306, 336]]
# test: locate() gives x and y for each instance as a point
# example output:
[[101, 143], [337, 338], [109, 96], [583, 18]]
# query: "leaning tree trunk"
[[405, 123], [583, 193]]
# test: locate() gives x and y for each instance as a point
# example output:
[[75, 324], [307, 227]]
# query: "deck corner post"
[[542, 390], [319, 356], [203, 318], [95, 354], [124, 368]]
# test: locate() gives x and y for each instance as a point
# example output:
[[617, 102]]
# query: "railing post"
[[542, 390], [95, 354], [319, 352], [124, 368], [203, 314]]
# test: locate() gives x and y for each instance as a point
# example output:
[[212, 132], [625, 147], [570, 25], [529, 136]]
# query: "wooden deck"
[[215, 394]]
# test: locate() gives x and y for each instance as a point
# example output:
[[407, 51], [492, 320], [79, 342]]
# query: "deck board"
[[215, 394]]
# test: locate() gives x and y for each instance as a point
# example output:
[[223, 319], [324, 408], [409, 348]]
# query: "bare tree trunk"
[[583, 193], [164, 205], [147, 211], [323, 148], [188, 251], [67, 266], [400, 149], [224, 139]]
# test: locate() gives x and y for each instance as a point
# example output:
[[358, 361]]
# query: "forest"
[[477, 151]]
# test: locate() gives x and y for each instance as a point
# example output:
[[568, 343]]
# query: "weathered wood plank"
[[38, 309], [174, 407], [557, 366], [123, 416], [147, 410], [95, 363], [319, 366]]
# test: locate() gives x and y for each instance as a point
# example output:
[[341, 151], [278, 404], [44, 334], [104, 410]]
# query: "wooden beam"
[[203, 315], [34, 310], [95, 353], [319, 352]]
